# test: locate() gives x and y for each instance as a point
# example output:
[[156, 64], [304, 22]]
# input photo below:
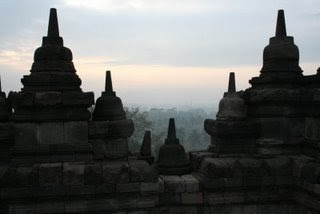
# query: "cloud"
[[178, 6], [19, 58]]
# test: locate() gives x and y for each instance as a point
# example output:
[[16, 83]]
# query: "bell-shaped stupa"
[[231, 106], [172, 159], [108, 105]]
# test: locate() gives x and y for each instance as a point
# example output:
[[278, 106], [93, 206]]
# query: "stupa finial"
[[232, 83], [53, 27], [171, 129], [281, 25], [108, 83], [145, 149]]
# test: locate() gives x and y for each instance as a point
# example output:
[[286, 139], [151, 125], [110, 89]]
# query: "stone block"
[[73, 173], [249, 209], [236, 209], [169, 198], [316, 189], [312, 128], [147, 201], [76, 132], [197, 157], [284, 180], [25, 134], [50, 207], [233, 182], [105, 188], [214, 198], [115, 148], [76, 206], [78, 98], [80, 190], [23, 99], [110, 148], [51, 133], [278, 166], [50, 174], [149, 187], [93, 173], [115, 172], [21, 209], [191, 198], [48, 98], [27, 176], [297, 166], [268, 180], [214, 184], [215, 168], [234, 197], [141, 171], [173, 183], [128, 187], [161, 184], [192, 184]]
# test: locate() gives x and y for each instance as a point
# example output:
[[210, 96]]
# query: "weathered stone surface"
[[50, 207], [77, 98], [115, 172], [149, 187], [75, 132], [78, 206], [51, 133], [141, 171], [48, 98], [25, 134], [214, 198], [215, 167], [27, 175], [192, 184], [173, 183], [50, 174], [192, 198], [128, 187], [93, 173], [73, 173], [167, 199], [21, 209], [110, 148]]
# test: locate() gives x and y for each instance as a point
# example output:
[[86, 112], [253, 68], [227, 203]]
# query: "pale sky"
[[162, 53]]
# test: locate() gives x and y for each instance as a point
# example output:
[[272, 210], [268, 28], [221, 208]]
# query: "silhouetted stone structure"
[[109, 128], [172, 159], [232, 132], [55, 157], [145, 149]]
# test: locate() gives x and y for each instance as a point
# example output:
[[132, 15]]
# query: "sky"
[[168, 53]]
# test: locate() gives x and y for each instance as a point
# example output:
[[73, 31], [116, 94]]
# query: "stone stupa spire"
[[53, 37], [232, 83], [108, 86], [281, 25], [172, 130], [53, 27], [145, 149]]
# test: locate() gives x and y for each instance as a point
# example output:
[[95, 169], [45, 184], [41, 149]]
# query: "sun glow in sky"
[[161, 53]]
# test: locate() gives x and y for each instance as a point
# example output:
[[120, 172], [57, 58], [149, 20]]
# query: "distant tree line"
[[189, 127]]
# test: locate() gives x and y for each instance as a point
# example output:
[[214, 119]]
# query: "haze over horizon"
[[161, 53]]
